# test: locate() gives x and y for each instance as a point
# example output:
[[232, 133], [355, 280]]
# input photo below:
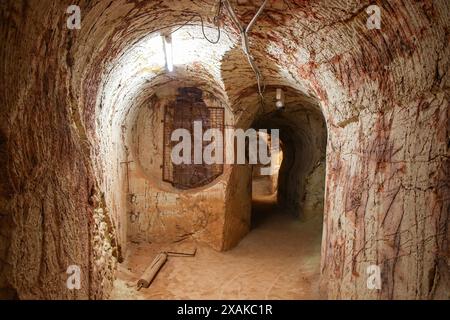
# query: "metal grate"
[[187, 108]]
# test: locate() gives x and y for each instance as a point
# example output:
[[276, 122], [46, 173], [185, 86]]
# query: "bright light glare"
[[168, 51]]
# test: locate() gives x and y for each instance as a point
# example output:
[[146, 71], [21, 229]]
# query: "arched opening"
[[150, 199], [82, 184], [298, 184]]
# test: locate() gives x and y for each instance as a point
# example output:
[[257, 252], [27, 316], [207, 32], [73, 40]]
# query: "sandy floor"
[[278, 259]]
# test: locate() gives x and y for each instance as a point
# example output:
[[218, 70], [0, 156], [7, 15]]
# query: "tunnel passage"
[[300, 182]]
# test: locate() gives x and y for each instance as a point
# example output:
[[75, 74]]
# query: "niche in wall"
[[182, 113]]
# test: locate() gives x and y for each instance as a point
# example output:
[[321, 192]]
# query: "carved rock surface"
[[384, 94]]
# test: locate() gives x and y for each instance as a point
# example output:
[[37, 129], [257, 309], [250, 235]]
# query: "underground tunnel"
[[99, 97]]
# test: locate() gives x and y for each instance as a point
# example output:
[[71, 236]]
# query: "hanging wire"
[[245, 44]]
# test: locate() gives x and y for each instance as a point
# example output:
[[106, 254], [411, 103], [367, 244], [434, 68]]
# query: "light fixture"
[[168, 51], [279, 99]]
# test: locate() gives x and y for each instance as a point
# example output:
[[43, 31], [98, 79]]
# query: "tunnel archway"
[[384, 97], [297, 187]]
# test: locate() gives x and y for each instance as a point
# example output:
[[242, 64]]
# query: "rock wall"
[[314, 192], [384, 95]]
